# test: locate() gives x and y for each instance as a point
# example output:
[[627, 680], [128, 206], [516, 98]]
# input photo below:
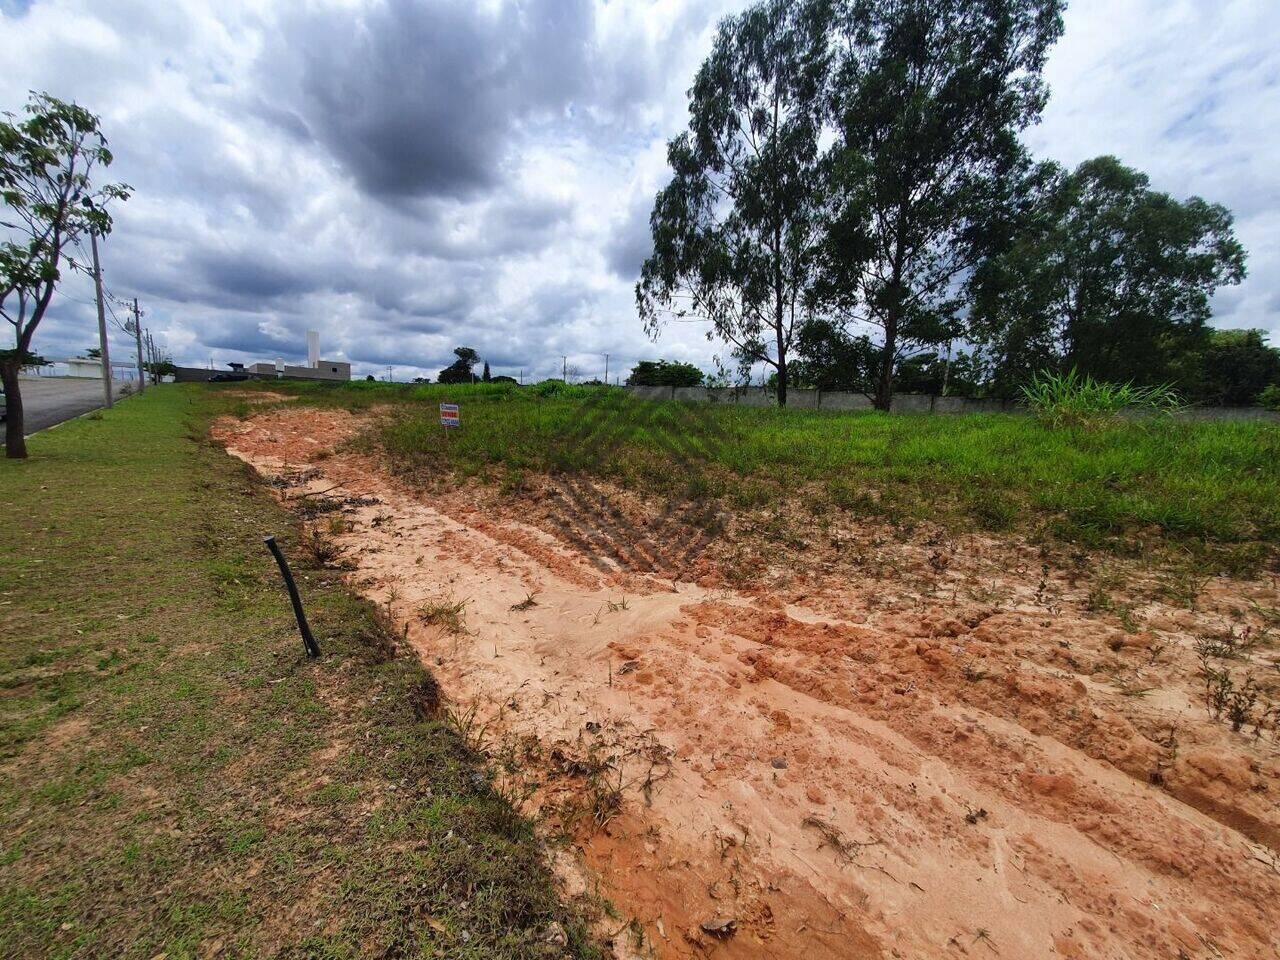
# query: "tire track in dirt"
[[834, 778]]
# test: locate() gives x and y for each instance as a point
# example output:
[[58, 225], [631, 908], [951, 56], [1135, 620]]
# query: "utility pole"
[[102, 322], [606, 369], [137, 336], [564, 369]]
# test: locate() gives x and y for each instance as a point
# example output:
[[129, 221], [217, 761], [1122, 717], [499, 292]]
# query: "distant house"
[[324, 370], [315, 369]]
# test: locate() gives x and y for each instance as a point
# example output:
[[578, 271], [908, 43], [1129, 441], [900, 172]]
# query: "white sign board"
[[449, 416]]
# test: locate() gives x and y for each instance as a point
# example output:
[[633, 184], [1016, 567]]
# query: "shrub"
[[1270, 397], [664, 373], [1070, 400]]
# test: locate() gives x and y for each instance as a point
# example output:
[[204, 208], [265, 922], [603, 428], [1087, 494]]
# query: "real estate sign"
[[449, 416]]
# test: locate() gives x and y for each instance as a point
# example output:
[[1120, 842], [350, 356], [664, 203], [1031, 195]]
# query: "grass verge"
[[1207, 491], [176, 779]]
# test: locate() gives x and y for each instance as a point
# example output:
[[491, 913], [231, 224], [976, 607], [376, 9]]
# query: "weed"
[[1185, 587], [1229, 645], [995, 512], [446, 613], [528, 603], [1269, 615], [1128, 620], [1238, 704], [1072, 401], [320, 550], [467, 725], [832, 837], [974, 673], [1218, 688]]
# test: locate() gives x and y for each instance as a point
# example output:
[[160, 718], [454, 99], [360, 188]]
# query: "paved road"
[[50, 400]]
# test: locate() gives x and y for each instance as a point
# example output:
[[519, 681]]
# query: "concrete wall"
[[267, 371], [803, 399], [194, 374], [328, 370]]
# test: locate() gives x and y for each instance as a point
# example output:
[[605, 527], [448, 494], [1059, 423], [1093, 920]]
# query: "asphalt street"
[[51, 400]]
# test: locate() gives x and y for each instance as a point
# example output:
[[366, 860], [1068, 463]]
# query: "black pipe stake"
[[308, 641]]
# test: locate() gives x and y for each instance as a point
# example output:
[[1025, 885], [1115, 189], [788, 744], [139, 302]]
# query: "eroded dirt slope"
[[831, 765]]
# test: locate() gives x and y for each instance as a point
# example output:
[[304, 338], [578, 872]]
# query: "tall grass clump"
[[1071, 401]]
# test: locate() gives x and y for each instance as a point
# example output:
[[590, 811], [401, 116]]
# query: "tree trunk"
[[15, 444], [782, 353], [884, 385], [885, 382]]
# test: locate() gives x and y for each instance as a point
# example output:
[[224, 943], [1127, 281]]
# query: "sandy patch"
[[835, 766]]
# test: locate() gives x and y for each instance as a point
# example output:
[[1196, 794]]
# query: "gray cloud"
[[248, 274], [424, 99], [632, 240]]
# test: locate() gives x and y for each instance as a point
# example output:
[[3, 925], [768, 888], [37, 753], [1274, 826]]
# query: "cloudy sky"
[[410, 175]]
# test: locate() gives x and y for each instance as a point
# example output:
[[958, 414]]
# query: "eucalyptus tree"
[[736, 232], [1105, 275], [927, 99], [48, 158]]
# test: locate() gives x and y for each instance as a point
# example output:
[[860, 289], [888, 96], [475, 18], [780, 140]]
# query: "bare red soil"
[[937, 750]]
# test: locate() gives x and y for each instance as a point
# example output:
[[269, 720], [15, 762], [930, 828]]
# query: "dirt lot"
[[910, 745]]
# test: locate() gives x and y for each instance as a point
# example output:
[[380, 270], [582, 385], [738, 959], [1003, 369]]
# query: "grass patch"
[[176, 778], [1204, 488]]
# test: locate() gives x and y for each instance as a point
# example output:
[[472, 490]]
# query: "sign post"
[[449, 417]]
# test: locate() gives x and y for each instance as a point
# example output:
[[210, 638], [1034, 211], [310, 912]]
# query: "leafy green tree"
[[1104, 275], [928, 98], [48, 158], [164, 367], [831, 358], [462, 369], [736, 231], [662, 373], [1232, 368], [485, 377], [938, 375]]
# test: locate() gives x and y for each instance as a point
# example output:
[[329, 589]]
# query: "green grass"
[[175, 777], [1203, 489]]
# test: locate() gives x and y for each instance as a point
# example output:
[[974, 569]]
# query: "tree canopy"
[[663, 373], [736, 231], [761, 231], [462, 369], [48, 160], [928, 99], [1105, 275]]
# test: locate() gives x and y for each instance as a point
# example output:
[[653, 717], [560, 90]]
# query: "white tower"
[[313, 349]]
